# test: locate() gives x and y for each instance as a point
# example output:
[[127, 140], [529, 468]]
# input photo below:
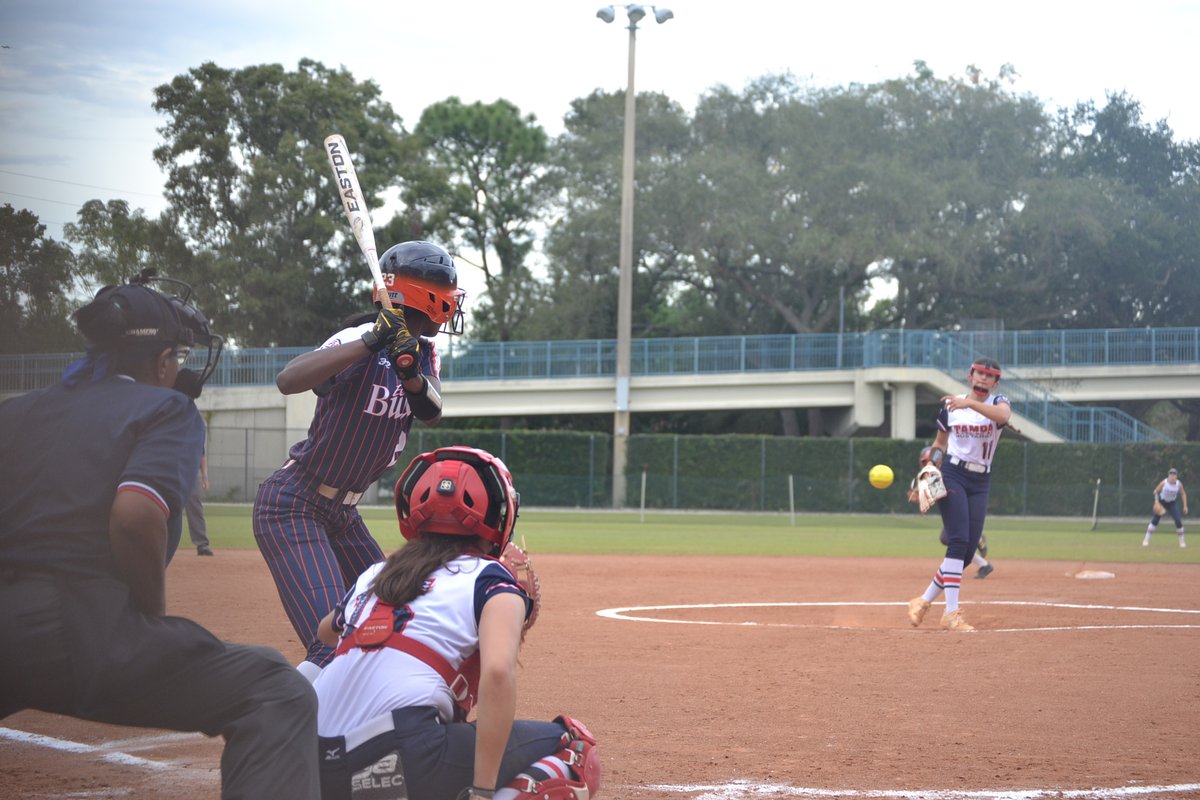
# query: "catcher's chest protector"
[[379, 630]]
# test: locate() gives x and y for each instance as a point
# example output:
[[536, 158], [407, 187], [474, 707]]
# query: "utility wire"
[[42, 199], [73, 183]]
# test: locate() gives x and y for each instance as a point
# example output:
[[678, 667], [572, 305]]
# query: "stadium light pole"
[[635, 12]]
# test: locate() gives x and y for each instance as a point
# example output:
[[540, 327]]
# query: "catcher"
[[420, 697]]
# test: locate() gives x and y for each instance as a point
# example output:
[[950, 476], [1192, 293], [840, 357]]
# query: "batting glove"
[[389, 324], [404, 354]]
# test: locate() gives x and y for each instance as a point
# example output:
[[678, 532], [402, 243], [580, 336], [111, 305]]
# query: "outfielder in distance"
[[434, 632], [969, 428], [1168, 495], [371, 379]]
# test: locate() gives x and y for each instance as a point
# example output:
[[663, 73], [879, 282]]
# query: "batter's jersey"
[[1170, 491], [362, 419], [973, 436], [361, 685], [66, 453]]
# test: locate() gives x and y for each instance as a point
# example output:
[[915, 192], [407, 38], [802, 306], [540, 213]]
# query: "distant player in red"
[[969, 429], [371, 379]]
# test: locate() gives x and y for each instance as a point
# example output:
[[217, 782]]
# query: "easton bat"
[[346, 180]]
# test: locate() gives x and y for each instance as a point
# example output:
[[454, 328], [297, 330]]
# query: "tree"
[[482, 187], [250, 191], [36, 274], [583, 241], [115, 243]]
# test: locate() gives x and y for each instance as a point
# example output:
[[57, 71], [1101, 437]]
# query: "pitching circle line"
[[627, 613]]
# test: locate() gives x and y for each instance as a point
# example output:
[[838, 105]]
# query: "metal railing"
[[948, 351]]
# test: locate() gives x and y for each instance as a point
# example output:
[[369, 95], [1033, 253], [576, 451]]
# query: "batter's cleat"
[[204, 550], [984, 571], [916, 610], [954, 621]]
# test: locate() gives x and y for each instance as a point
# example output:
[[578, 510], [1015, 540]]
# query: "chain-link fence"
[[748, 473]]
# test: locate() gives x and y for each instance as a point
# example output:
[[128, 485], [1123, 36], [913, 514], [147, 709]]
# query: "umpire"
[[95, 473]]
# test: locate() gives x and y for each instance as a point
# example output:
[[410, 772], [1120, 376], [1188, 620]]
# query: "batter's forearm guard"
[[426, 404]]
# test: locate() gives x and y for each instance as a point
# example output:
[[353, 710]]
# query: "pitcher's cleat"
[[954, 621], [916, 610]]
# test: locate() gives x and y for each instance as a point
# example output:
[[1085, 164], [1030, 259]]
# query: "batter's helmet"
[[426, 277], [458, 491]]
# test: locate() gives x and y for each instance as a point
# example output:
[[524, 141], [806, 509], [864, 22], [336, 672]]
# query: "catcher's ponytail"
[[402, 578]]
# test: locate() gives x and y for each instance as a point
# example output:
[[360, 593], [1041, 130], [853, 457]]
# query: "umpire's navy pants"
[[75, 645]]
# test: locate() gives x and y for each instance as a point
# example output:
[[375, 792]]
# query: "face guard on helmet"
[[459, 491], [984, 366], [422, 275], [194, 332]]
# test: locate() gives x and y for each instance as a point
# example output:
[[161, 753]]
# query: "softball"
[[881, 476]]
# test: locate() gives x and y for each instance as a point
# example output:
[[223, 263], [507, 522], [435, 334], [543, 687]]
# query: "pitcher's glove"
[[927, 488], [1158, 509], [518, 563]]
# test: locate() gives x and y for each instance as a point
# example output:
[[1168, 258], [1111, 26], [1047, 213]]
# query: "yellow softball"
[[881, 476]]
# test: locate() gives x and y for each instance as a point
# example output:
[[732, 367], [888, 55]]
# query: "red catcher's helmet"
[[459, 491], [426, 277]]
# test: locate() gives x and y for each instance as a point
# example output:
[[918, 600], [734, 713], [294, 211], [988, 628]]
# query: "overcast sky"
[[77, 76]]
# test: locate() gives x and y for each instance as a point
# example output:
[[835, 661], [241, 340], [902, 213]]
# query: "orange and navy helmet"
[[422, 275], [458, 491]]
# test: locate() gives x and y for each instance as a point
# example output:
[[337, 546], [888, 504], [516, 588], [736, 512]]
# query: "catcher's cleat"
[[982, 545], [916, 610], [954, 621], [984, 571]]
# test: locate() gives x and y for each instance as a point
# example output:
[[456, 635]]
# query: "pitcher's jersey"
[[1170, 492], [362, 419], [973, 436], [361, 685]]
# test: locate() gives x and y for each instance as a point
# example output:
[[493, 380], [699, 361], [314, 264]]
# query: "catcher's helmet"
[[425, 275], [459, 491]]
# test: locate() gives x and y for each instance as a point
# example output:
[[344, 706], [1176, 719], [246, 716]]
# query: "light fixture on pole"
[[635, 12]]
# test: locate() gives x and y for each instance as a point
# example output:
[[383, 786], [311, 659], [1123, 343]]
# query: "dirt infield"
[[820, 690]]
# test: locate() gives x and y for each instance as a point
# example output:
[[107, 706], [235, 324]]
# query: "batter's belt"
[[346, 498]]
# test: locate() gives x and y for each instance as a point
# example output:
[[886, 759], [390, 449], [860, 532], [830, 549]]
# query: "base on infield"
[[1094, 574]]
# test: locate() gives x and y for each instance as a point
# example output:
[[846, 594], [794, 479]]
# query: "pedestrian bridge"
[[864, 380]]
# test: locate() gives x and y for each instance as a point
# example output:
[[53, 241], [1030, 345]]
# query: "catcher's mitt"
[[1158, 509], [518, 563]]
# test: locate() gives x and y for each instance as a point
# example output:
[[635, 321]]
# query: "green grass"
[[847, 535]]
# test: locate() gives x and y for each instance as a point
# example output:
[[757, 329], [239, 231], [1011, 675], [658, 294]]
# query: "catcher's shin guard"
[[582, 759]]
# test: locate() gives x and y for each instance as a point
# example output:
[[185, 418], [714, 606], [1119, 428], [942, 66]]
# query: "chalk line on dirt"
[[633, 614], [744, 790]]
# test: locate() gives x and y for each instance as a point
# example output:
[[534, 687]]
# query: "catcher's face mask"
[[983, 376]]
